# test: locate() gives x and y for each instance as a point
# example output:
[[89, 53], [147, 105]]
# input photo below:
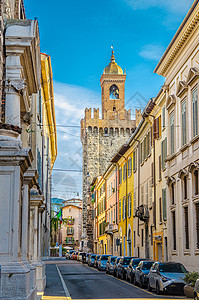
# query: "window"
[[151, 235], [186, 227], [142, 195], [163, 117], [120, 176], [142, 237], [164, 152], [135, 161], [196, 181], [124, 208], [195, 112], [185, 187], [184, 122], [174, 229], [172, 133], [129, 205], [160, 209], [172, 194], [134, 238], [164, 205], [106, 131], [129, 167], [152, 174], [150, 193], [119, 210], [134, 202], [70, 230], [124, 172], [146, 193], [113, 92], [157, 128], [160, 167], [197, 226]]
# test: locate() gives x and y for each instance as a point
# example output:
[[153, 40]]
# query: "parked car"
[[115, 265], [196, 290], [79, 256], [122, 266], [110, 264], [91, 260], [131, 268], [69, 253], [96, 261], [73, 255], [167, 277], [141, 272], [87, 257], [102, 262]]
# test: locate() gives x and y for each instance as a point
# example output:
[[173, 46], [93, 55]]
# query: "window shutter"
[[162, 154], [164, 205], [152, 174]]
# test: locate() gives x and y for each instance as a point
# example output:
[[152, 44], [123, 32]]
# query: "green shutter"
[[164, 204]]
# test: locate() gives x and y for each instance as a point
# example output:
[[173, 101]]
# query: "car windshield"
[[136, 262], [113, 259], [147, 265], [126, 261], [172, 268], [104, 257]]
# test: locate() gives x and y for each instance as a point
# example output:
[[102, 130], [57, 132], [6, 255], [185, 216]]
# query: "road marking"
[[63, 283], [55, 298]]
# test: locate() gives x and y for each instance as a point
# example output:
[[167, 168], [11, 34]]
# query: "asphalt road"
[[83, 282]]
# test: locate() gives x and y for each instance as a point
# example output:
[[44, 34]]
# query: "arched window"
[[106, 130], [114, 92], [196, 181], [95, 130], [111, 131]]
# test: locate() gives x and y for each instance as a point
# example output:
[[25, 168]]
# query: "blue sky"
[[78, 35]]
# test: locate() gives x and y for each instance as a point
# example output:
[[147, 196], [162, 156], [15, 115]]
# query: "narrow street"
[[83, 282]]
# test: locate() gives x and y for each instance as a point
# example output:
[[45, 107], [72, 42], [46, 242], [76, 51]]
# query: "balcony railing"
[[111, 228]]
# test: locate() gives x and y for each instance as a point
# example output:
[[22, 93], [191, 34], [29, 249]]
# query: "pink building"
[[71, 228]]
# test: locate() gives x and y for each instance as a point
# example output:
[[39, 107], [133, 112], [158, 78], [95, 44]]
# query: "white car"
[[167, 277]]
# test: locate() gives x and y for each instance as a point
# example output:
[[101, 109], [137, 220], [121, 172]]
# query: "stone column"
[[29, 180], [35, 202], [15, 276]]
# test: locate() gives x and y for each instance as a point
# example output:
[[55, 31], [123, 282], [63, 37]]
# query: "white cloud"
[[70, 103], [152, 52], [175, 6]]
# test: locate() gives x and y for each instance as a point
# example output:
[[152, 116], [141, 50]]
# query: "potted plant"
[[190, 280]]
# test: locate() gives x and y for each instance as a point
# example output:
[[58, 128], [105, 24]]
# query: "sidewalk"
[[55, 287]]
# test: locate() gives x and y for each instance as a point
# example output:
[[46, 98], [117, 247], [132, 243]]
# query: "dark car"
[[141, 273], [102, 262], [87, 257], [122, 266], [167, 277], [110, 264], [131, 268], [115, 265], [97, 257], [91, 260]]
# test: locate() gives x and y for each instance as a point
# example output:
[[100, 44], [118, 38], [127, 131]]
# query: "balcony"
[[110, 228]]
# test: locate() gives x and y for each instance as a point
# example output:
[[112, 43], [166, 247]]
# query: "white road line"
[[63, 283]]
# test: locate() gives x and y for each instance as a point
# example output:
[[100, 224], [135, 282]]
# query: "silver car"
[[167, 277], [196, 290]]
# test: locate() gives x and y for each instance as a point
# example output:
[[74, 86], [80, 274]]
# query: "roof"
[[120, 153], [113, 67], [179, 39]]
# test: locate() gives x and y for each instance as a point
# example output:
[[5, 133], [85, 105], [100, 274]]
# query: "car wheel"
[[131, 278], [149, 287], [127, 278], [157, 288], [195, 297], [134, 280], [123, 276], [142, 282], [117, 274]]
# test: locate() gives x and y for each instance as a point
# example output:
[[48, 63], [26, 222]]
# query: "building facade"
[[101, 136], [24, 206]]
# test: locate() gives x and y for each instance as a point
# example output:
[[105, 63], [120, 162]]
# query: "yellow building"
[[100, 190], [124, 160]]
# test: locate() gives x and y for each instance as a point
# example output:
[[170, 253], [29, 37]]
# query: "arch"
[[89, 129], [95, 130], [129, 240], [121, 131], [128, 131], [114, 92], [117, 131], [106, 131], [111, 131], [101, 130]]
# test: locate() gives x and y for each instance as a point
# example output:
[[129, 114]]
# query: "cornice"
[[179, 39]]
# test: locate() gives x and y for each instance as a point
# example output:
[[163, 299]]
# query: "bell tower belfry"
[[113, 87]]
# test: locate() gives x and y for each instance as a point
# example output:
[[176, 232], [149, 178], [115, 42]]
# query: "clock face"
[[114, 92]]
